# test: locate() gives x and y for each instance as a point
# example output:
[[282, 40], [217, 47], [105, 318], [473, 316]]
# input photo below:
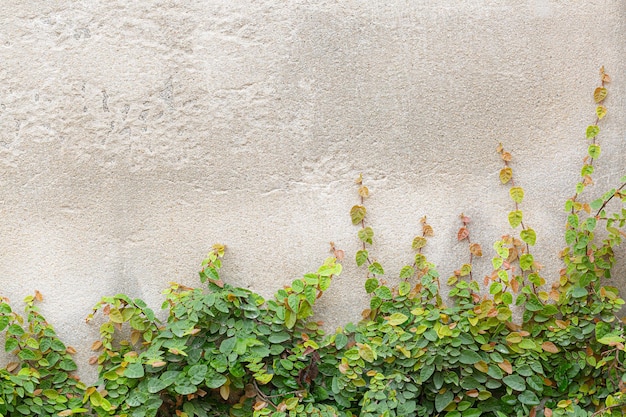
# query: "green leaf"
[[4, 322], [293, 301], [366, 352], [366, 235], [404, 288], [528, 398], [134, 370], [590, 224], [297, 286], [290, 319], [376, 269], [397, 318], [601, 112], [516, 382], [469, 357], [227, 345], [586, 170], [578, 292], [11, 344], [215, 380], [419, 242], [361, 257], [495, 288], [529, 236], [517, 194], [371, 284], [341, 340], [443, 400], [357, 214], [611, 339], [602, 329], [155, 385], [426, 372], [592, 131], [594, 151], [375, 302], [406, 272], [15, 330], [515, 218], [526, 261], [384, 293], [278, 337], [471, 412], [507, 298]]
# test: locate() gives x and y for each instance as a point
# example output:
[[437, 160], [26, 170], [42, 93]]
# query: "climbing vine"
[[224, 350]]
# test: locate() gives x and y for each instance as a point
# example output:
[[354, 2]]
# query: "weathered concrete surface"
[[135, 134]]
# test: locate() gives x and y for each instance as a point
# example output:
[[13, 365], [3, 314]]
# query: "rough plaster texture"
[[135, 134]]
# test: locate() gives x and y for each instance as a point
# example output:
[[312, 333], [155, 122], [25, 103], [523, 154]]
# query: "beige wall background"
[[135, 134]]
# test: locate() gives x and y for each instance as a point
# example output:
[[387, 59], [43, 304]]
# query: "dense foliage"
[[227, 351]]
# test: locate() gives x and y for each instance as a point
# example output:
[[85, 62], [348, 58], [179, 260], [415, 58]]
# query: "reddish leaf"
[[463, 233]]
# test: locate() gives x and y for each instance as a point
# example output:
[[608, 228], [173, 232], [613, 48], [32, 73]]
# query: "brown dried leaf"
[[135, 335], [38, 296], [259, 405], [506, 366], [250, 391], [343, 367], [70, 350], [462, 234], [549, 347], [475, 249], [364, 191], [96, 345]]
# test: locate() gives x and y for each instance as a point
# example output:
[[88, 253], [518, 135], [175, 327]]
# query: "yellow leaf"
[[506, 174], [482, 366], [225, 391], [599, 94]]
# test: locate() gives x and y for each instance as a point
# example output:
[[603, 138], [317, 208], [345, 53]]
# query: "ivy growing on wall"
[[227, 351]]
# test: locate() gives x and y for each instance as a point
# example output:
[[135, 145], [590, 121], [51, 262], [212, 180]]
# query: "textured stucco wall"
[[135, 134]]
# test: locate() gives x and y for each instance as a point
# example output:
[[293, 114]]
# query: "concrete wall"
[[135, 134]]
